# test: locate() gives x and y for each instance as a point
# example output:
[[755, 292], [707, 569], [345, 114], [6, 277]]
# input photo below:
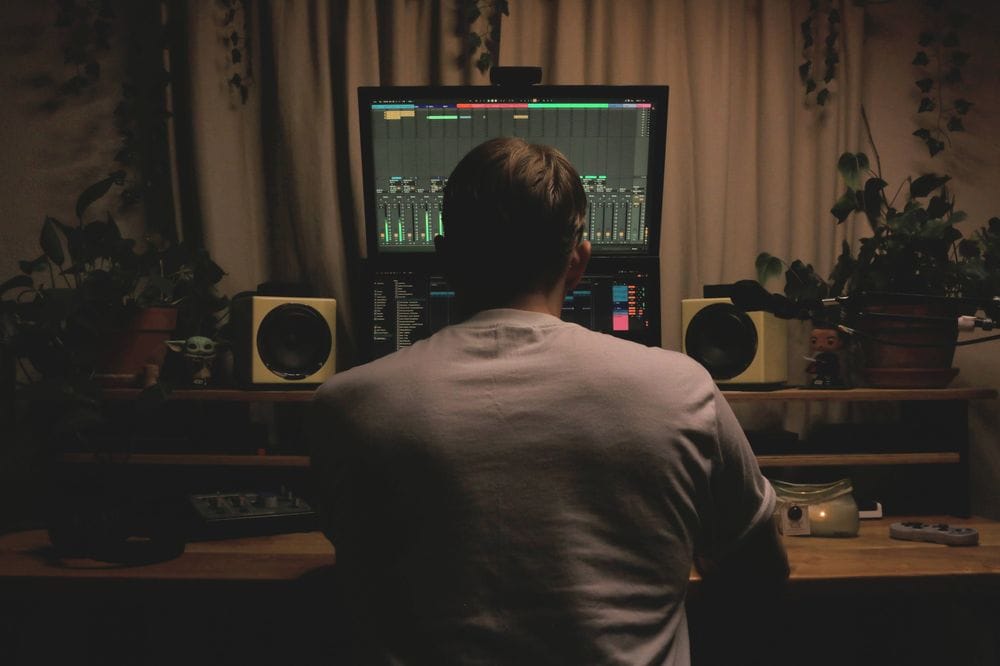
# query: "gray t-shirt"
[[517, 489]]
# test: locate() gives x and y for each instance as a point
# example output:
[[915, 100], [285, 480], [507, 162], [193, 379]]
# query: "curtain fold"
[[749, 164]]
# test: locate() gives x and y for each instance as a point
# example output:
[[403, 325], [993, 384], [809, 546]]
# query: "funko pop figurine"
[[199, 353], [824, 364]]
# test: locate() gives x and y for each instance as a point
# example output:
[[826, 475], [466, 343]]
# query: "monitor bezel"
[[657, 94]]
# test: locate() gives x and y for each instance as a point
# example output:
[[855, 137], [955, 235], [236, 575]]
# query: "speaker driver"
[[723, 339], [293, 341]]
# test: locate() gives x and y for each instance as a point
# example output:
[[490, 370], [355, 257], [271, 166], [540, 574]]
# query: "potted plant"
[[910, 279], [81, 311]]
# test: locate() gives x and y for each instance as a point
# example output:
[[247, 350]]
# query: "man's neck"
[[547, 303]]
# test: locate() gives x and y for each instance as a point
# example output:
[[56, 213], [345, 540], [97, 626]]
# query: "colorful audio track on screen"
[[416, 145]]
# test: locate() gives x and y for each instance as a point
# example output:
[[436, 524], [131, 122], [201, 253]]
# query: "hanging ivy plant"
[[234, 23], [85, 29], [939, 61], [817, 76], [484, 42]]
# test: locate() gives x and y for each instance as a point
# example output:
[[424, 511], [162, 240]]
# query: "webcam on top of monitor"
[[515, 76]]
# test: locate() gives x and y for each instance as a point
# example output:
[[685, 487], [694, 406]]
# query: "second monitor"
[[407, 306]]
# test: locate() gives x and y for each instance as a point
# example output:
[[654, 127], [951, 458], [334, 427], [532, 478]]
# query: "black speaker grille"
[[723, 339], [294, 341]]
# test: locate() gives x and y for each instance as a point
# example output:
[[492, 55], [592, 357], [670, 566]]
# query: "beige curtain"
[[749, 162]]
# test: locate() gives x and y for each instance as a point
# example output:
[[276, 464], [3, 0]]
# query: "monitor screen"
[[412, 138], [407, 306]]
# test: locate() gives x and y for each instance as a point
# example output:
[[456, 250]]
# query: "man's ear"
[[579, 256], [443, 251]]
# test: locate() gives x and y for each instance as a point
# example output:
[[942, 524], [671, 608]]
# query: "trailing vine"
[[940, 60], [810, 69], [140, 117], [234, 24], [87, 27], [486, 41]]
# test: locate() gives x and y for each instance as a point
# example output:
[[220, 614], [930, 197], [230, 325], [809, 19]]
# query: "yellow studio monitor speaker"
[[739, 349], [283, 340]]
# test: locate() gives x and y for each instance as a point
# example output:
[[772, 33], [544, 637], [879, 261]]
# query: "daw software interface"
[[412, 138], [408, 306]]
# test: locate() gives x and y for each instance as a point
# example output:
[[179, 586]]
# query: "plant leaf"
[[822, 96], [938, 207], [768, 266], [22, 281], [962, 106], [926, 104], [925, 85], [92, 194], [969, 249], [845, 205], [923, 133], [852, 166], [804, 70], [51, 244], [485, 61], [921, 59], [29, 267], [955, 124], [873, 200], [926, 184], [843, 270], [474, 42]]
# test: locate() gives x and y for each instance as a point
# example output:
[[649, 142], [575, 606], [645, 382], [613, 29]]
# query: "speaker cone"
[[293, 341], [723, 339]]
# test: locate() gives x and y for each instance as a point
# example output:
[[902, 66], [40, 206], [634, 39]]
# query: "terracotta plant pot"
[[140, 342], [900, 365]]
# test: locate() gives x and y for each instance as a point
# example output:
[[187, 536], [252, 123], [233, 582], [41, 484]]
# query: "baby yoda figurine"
[[199, 353]]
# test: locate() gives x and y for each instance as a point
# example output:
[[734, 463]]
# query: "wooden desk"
[[281, 558], [869, 558], [250, 601]]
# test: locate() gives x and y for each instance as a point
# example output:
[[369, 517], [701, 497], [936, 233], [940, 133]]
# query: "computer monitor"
[[409, 305], [412, 138]]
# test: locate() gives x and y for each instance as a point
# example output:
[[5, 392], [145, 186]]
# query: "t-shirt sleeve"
[[741, 497], [325, 431]]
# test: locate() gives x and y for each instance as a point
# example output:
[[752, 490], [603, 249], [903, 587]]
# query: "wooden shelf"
[[190, 459], [836, 459], [780, 395], [219, 395], [233, 460], [861, 394]]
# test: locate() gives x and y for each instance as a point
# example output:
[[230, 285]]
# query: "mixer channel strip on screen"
[[417, 145]]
